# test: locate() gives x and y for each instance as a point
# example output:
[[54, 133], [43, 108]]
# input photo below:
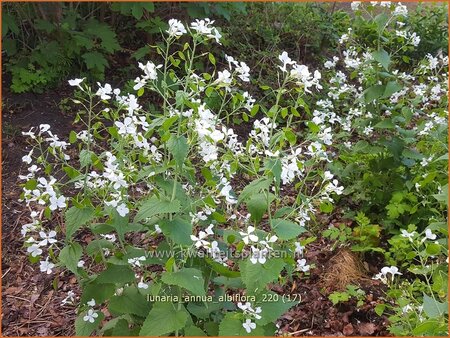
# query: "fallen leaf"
[[366, 329]]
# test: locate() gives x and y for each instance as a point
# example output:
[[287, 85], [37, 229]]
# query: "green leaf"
[[85, 328], [154, 206], [188, 278], [385, 124], [427, 328], [178, 230], [433, 308], [95, 61], [129, 302], [117, 274], [286, 229], [141, 52], [70, 255], [76, 217], [373, 93], [222, 270], [433, 249], [85, 158], [231, 325], [382, 57], [272, 310], [262, 183], [379, 309], [212, 59], [179, 148], [256, 276], [98, 292], [193, 331], [391, 88], [72, 137], [163, 319], [257, 206]]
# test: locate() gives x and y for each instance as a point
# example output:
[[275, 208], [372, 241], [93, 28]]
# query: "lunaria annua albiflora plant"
[[180, 209]]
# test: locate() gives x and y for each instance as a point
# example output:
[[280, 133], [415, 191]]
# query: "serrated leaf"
[[117, 274], [154, 206], [272, 310], [433, 308], [70, 255], [179, 148], [257, 206], [257, 276], [382, 57], [76, 217], [95, 60], [373, 93], [188, 278], [98, 292], [385, 124], [391, 88], [254, 187], [286, 229], [163, 319], [129, 302], [178, 230]]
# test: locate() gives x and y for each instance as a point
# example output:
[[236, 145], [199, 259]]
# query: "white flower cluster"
[[248, 311], [300, 73]]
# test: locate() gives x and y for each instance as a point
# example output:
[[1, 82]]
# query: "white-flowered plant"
[[175, 202]]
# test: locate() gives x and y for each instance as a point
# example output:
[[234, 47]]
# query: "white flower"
[[209, 230], [286, 60], [90, 316], [429, 235], [70, 298], [157, 229], [35, 250], [244, 71], [44, 128], [76, 82], [136, 261], [47, 239], [200, 240], [400, 10], [176, 28], [150, 70], [258, 255], [203, 27], [142, 285], [407, 234], [223, 78], [27, 158], [123, 210], [393, 270], [91, 303], [249, 325], [46, 266], [299, 248], [248, 236], [244, 307], [355, 5], [81, 263], [57, 202], [104, 92], [302, 266]]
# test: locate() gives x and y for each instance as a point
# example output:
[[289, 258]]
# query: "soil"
[[31, 300]]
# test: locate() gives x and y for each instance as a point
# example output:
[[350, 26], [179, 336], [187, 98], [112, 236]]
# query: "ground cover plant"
[[186, 203]]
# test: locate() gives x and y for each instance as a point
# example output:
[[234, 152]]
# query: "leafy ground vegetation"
[[232, 188]]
